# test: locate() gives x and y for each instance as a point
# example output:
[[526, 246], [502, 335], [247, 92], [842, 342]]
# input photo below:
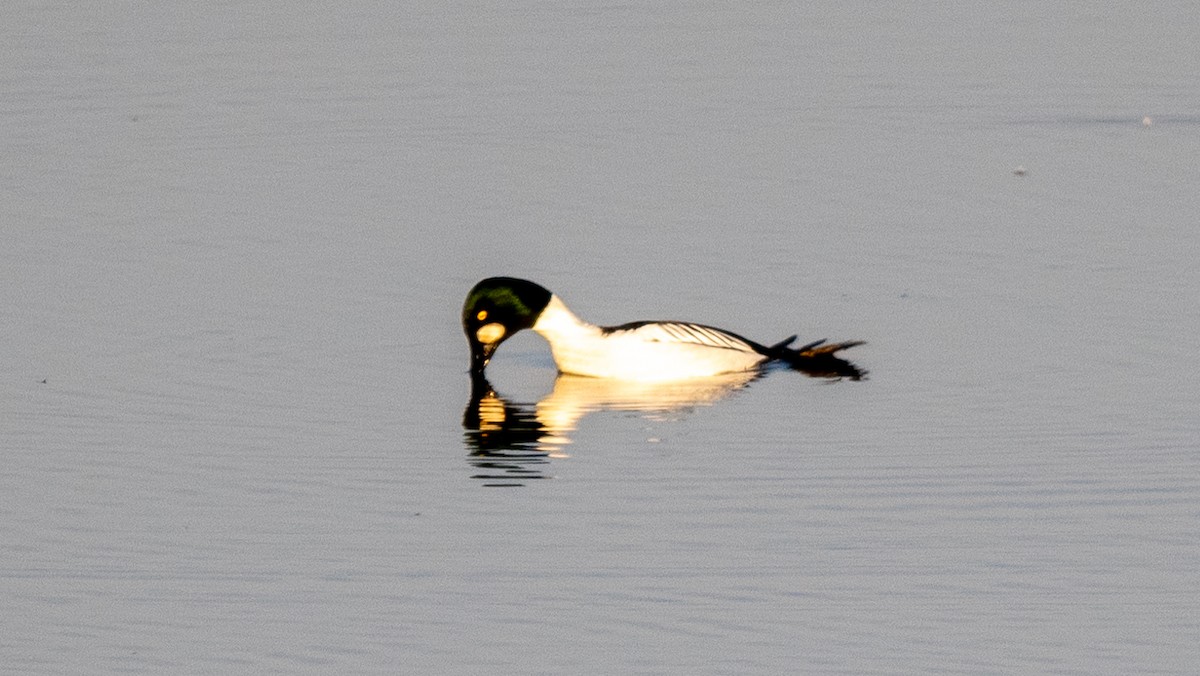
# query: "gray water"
[[235, 242]]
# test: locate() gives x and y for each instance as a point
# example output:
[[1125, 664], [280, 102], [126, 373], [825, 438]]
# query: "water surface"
[[235, 244]]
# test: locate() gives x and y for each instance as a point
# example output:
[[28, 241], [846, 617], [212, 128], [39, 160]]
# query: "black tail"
[[818, 358]]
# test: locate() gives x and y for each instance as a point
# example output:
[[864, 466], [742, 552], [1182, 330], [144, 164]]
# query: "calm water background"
[[235, 241]]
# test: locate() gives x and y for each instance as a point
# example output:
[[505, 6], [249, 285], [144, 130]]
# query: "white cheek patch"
[[490, 333]]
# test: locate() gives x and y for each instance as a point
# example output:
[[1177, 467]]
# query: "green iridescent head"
[[495, 309]]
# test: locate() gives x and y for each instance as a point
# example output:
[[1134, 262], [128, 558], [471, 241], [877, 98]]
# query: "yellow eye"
[[482, 315]]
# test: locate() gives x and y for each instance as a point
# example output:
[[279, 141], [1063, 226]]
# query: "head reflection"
[[511, 442], [507, 442]]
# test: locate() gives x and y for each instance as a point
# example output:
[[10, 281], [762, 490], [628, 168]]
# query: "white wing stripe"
[[692, 333]]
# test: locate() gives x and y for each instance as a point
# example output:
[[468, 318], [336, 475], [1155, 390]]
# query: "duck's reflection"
[[511, 442]]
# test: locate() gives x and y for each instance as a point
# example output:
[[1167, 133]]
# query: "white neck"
[[557, 324], [577, 346]]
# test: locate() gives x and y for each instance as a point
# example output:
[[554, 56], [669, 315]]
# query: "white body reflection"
[[576, 396], [512, 442]]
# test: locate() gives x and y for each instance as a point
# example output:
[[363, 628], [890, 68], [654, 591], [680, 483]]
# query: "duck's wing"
[[817, 358], [688, 333]]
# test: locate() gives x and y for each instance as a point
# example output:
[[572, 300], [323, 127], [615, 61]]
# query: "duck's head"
[[495, 309]]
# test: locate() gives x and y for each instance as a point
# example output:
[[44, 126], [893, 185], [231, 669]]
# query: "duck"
[[497, 308]]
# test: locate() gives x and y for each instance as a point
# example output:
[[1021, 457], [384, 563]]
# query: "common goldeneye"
[[498, 307]]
